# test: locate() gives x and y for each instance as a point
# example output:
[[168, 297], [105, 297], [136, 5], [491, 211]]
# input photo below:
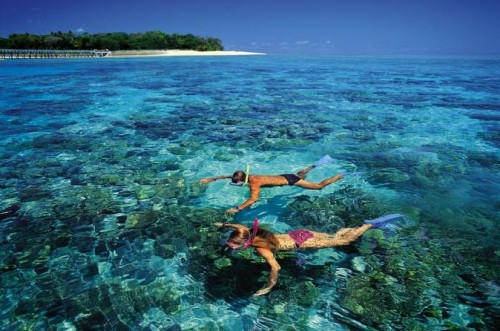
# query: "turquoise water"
[[104, 226]]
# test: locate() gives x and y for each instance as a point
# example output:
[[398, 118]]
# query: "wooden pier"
[[50, 54]]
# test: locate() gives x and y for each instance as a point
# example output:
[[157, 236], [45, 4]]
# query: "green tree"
[[155, 40], [85, 41], [19, 41], [4, 43]]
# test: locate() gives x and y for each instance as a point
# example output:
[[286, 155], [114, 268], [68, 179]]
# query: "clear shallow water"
[[102, 158]]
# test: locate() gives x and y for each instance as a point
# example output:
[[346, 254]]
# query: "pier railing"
[[49, 53]]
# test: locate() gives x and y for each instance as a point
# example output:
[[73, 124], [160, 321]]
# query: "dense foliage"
[[112, 41]]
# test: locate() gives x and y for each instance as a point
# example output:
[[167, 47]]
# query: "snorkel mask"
[[250, 239], [233, 245], [246, 178]]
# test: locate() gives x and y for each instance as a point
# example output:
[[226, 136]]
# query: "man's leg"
[[302, 173], [317, 186]]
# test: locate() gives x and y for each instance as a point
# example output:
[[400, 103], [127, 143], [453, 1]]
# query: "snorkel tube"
[[246, 178], [247, 174], [254, 233]]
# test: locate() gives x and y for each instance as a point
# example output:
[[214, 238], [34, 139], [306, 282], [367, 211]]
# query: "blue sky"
[[279, 26]]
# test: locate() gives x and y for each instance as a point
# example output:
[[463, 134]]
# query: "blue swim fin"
[[382, 221], [324, 160]]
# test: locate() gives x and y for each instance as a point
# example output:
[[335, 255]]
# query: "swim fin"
[[382, 221], [324, 160]]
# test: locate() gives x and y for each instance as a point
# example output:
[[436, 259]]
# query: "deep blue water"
[[104, 225]]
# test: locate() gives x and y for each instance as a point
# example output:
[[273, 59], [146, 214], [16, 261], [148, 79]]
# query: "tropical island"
[[151, 43], [151, 40]]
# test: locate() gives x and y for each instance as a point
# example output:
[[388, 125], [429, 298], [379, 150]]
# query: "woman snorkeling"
[[265, 242]]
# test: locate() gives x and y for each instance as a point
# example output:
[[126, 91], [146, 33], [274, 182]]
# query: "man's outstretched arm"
[[212, 179], [254, 196]]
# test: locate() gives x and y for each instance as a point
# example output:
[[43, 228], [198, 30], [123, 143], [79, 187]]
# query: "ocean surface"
[[103, 224]]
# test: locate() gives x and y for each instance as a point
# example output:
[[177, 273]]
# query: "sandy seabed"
[[147, 53]]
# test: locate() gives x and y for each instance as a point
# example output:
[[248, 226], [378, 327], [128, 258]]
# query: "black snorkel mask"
[[246, 178]]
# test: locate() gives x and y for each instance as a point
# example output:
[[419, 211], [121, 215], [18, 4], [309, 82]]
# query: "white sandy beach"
[[174, 52]]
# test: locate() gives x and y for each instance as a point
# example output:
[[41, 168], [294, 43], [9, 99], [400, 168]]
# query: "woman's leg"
[[344, 236], [348, 235]]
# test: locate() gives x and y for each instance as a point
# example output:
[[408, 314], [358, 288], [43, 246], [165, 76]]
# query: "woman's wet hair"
[[238, 177], [240, 236]]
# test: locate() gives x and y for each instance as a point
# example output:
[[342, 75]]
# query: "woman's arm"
[[212, 179], [268, 255]]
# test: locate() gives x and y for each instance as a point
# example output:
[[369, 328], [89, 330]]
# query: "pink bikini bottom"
[[300, 235]]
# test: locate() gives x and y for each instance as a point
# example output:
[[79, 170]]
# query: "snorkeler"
[[255, 182], [265, 242]]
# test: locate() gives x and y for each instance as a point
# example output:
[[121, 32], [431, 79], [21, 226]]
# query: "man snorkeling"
[[255, 182], [265, 242]]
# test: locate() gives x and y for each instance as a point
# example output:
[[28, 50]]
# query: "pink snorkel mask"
[[249, 242]]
